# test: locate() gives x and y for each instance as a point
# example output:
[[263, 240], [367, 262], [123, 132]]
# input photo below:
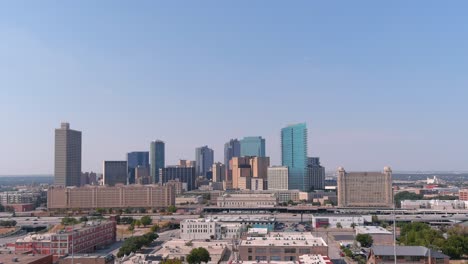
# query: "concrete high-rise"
[[294, 155], [365, 189], [135, 159], [244, 169], [157, 159], [219, 172], [67, 169], [114, 172], [278, 178], [315, 179], [204, 158], [252, 146]]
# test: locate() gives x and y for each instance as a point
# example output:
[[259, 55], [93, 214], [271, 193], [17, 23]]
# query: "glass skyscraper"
[[252, 146], [135, 159], [204, 159], [294, 155], [157, 159]]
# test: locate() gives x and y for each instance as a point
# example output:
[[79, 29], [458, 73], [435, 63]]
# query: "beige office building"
[[278, 178], [365, 189], [186, 163], [246, 168], [123, 196], [142, 175], [67, 170], [219, 172]]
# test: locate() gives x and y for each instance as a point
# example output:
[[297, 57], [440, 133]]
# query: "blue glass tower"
[[157, 159], [294, 155], [135, 159], [252, 146]]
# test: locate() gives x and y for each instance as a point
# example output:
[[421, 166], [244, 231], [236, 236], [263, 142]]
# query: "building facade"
[[245, 169], [157, 159], [87, 239], [365, 189], [294, 155], [115, 172], [92, 197], [219, 172], [186, 163], [204, 158], [136, 159], [247, 200], [183, 174], [284, 246], [142, 175], [252, 146], [405, 254], [315, 179], [463, 194], [346, 221], [278, 178], [67, 170], [231, 150]]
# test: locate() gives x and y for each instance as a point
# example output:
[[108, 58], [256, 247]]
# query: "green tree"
[[137, 223], [172, 209], [353, 225], [198, 255], [365, 240], [83, 219], [155, 228], [101, 211], [146, 220], [131, 227], [405, 195], [171, 261], [69, 221], [338, 225]]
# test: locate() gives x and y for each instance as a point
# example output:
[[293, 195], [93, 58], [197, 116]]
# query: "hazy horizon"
[[378, 83]]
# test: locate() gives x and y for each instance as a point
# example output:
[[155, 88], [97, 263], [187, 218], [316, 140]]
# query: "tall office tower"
[[231, 150], [135, 159], [246, 169], [241, 173], [315, 174], [186, 175], [259, 167], [252, 146], [115, 172], [142, 175], [186, 163], [294, 155], [157, 159], [278, 178], [219, 172], [67, 169], [204, 158], [365, 189]]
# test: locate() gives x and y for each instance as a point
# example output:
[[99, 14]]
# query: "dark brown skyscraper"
[[67, 156]]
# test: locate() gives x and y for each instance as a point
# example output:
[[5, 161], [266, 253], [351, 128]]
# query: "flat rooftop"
[[17, 258], [180, 247], [372, 230], [294, 239]]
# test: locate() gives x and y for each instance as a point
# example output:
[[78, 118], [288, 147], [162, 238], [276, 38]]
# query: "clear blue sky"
[[377, 82]]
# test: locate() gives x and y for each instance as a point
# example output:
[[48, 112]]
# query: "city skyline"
[[377, 84]]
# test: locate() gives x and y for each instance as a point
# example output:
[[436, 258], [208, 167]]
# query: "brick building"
[[81, 239]]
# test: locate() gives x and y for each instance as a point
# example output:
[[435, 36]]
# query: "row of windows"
[[272, 258], [280, 250]]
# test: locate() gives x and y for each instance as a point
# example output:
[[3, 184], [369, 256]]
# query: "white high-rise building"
[[278, 178]]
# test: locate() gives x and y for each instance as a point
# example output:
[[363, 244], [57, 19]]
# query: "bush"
[[69, 221], [7, 223], [146, 220], [134, 244], [365, 240]]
